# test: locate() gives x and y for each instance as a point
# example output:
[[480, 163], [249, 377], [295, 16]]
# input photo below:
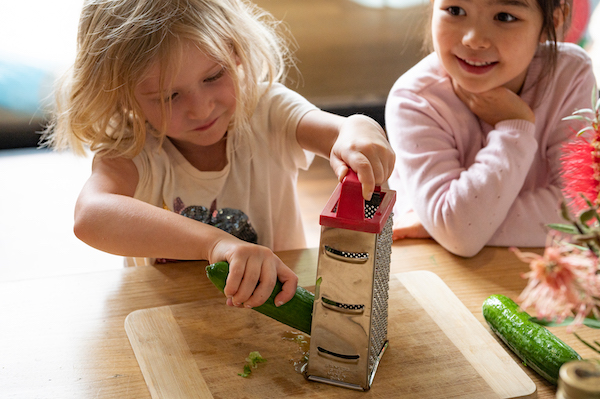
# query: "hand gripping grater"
[[349, 324]]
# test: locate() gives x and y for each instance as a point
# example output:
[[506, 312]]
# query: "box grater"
[[349, 324]]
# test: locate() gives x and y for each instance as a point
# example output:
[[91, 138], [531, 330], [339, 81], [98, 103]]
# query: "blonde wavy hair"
[[119, 40]]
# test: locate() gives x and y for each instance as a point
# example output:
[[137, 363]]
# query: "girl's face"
[[484, 44], [202, 97]]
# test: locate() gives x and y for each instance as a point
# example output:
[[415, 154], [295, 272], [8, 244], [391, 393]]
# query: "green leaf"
[[588, 322], [564, 211], [586, 199], [583, 111], [564, 228], [586, 343], [551, 323], [586, 216], [573, 118], [591, 322], [586, 129]]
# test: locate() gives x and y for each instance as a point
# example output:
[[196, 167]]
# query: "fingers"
[[289, 282], [243, 282], [371, 168], [495, 105], [258, 294], [362, 146], [409, 226], [253, 275], [339, 167]]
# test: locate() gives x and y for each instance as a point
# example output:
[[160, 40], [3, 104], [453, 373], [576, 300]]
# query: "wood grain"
[[181, 379], [480, 348], [441, 354], [63, 337]]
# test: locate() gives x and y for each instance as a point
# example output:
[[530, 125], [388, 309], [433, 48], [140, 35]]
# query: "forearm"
[[527, 220], [356, 142], [463, 208], [122, 225], [318, 130]]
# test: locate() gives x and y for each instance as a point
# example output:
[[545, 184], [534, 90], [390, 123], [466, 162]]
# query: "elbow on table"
[[83, 224], [461, 245], [81, 229], [465, 252]]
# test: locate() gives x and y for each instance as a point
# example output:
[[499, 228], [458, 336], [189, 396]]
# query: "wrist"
[[364, 120]]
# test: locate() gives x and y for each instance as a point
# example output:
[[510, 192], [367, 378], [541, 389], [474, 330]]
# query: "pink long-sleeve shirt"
[[472, 184]]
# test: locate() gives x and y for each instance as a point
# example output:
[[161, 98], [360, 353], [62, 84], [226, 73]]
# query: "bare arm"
[[107, 217], [357, 142]]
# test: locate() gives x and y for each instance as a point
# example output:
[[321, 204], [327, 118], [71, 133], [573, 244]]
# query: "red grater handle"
[[346, 207], [351, 204]]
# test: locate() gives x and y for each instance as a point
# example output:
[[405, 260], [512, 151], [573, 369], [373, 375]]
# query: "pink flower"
[[562, 283]]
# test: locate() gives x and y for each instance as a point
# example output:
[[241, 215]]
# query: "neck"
[[205, 158]]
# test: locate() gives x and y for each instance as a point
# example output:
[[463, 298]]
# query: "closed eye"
[[169, 98], [216, 76]]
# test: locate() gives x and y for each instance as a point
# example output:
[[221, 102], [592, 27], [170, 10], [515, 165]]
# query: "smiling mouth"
[[208, 125], [476, 66]]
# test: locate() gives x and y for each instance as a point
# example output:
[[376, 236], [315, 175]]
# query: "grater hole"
[[338, 355], [342, 307], [372, 205], [356, 257], [379, 320]]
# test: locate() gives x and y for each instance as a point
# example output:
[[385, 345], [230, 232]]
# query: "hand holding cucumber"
[[253, 272], [296, 313]]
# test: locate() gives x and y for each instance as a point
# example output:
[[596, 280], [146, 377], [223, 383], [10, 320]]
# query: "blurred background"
[[348, 52]]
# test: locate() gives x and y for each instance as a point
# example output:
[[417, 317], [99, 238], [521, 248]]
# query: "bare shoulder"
[[117, 175]]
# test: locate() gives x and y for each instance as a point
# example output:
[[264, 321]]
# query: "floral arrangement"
[[564, 283]]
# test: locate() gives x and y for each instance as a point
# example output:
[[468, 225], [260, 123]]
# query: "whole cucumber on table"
[[539, 348], [296, 313]]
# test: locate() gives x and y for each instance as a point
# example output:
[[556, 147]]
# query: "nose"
[[476, 37], [200, 106]]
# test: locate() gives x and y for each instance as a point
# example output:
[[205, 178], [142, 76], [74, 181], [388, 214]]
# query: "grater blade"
[[349, 327]]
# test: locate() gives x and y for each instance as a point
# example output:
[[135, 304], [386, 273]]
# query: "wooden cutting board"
[[437, 349]]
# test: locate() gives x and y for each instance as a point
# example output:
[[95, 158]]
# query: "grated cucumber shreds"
[[251, 363]]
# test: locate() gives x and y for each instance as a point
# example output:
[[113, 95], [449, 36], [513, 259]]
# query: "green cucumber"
[[296, 313], [539, 348]]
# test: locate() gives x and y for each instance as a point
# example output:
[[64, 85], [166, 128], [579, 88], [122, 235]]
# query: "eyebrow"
[[166, 89], [518, 3], [150, 93]]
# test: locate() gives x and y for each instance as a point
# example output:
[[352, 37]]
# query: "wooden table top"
[[64, 337]]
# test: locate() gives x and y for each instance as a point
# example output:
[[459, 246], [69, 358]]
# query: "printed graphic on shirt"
[[233, 221]]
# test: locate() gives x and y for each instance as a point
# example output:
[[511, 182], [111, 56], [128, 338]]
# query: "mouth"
[[206, 126], [475, 66]]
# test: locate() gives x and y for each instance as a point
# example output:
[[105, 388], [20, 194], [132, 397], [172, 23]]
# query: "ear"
[[561, 14]]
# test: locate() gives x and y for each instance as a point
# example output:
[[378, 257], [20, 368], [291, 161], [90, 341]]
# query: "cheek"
[[441, 37], [228, 97], [153, 115]]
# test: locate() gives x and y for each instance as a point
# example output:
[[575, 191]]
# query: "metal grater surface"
[[350, 312], [379, 318]]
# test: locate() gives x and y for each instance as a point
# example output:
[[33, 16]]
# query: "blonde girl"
[[478, 126], [197, 145]]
